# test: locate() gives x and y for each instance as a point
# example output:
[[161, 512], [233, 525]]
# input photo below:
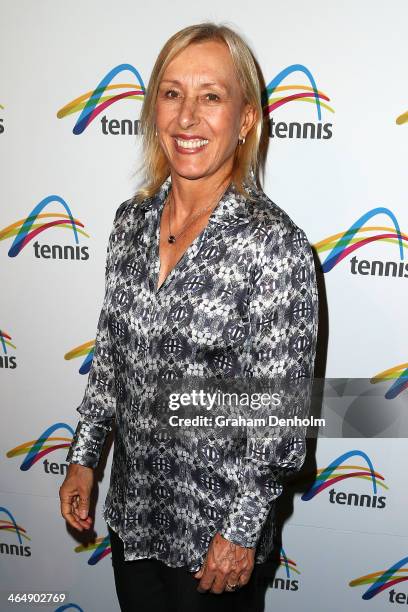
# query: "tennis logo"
[[338, 470], [277, 96], [383, 580], [359, 235], [100, 549], [25, 230], [37, 449], [398, 374], [92, 103], [83, 350], [288, 578], [7, 361], [16, 544], [401, 119]]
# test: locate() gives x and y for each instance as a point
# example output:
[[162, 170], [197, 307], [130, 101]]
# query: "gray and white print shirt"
[[240, 303]]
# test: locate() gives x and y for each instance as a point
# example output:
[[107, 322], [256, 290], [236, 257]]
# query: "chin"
[[190, 173]]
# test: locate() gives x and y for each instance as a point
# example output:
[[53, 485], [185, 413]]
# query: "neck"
[[191, 195]]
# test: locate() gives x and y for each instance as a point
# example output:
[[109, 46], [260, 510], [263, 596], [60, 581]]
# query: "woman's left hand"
[[225, 565]]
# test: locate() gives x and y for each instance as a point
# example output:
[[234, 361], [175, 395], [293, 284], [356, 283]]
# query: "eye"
[[169, 93], [212, 97]]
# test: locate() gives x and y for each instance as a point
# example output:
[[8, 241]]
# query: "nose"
[[188, 115]]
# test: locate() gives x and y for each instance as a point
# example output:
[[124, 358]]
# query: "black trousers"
[[150, 585]]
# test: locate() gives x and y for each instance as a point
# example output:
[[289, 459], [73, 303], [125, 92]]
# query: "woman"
[[206, 277]]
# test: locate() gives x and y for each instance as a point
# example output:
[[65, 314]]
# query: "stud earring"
[[241, 141]]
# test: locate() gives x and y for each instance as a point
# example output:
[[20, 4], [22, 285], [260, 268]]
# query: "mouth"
[[192, 145]]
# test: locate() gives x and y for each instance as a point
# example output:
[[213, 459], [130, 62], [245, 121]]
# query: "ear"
[[248, 119]]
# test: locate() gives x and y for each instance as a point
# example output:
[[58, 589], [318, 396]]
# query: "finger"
[[243, 577], [66, 511], [83, 506], [86, 523], [66, 505], [206, 581], [70, 516], [233, 578], [199, 573], [220, 583], [75, 506]]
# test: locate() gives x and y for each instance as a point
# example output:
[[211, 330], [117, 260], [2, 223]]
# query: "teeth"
[[191, 144]]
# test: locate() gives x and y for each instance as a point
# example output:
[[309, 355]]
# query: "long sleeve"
[[98, 405], [284, 321]]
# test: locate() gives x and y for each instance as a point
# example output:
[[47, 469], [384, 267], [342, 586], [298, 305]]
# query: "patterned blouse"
[[240, 303]]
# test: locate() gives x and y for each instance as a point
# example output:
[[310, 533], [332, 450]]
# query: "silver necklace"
[[172, 237]]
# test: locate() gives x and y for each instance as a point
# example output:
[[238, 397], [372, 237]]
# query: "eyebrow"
[[208, 84]]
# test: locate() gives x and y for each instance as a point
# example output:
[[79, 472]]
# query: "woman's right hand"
[[75, 495]]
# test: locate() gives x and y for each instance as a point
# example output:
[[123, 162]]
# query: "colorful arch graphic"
[[288, 564], [401, 119], [344, 243], [70, 606], [26, 229], [101, 548], [5, 339], [336, 471], [382, 580], [37, 449], [87, 349], [12, 527], [399, 374], [92, 103], [306, 93]]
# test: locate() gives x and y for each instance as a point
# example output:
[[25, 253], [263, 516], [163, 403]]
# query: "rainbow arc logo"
[[93, 103], [5, 340], [101, 548], [337, 471], [289, 565], [37, 222], [34, 450], [401, 119], [382, 580], [399, 374], [344, 243], [87, 349], [272, 98], [10, 525]]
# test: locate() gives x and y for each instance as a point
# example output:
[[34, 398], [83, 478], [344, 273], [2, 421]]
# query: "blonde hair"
[[248, 156]]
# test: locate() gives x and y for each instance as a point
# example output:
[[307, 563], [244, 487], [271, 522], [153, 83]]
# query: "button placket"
[[145, 379]]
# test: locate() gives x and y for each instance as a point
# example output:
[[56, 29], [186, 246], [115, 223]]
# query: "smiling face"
[[200, 111]]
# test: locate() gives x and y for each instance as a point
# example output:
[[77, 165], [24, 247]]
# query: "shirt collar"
[[231, 206]]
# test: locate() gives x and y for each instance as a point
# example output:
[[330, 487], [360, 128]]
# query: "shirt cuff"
[[87, 443], [245, 519]]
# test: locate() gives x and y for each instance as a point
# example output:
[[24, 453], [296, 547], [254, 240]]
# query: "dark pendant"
[[172, 238]]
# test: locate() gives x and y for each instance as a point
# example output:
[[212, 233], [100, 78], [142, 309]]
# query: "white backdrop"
[[53, 53]]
